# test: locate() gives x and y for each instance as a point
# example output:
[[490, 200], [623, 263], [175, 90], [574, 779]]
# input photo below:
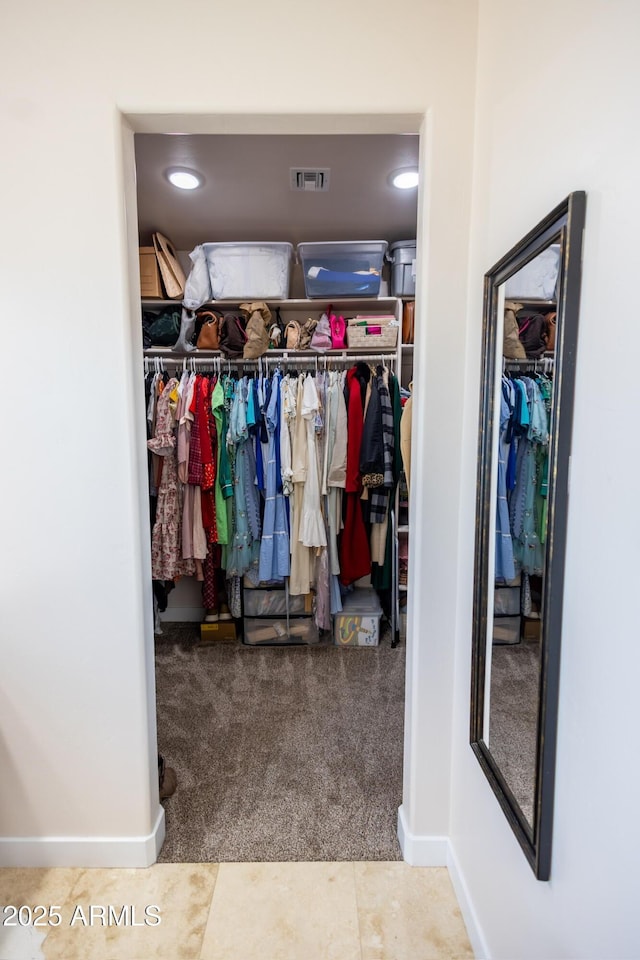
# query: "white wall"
[[557, 110], [77, 727]]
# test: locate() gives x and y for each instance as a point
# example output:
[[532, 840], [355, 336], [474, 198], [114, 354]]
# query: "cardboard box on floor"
[[223, 631]]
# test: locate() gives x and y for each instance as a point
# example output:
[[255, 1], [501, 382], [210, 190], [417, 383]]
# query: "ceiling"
[[246, 195]]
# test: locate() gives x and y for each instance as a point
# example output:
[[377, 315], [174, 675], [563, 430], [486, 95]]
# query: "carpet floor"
[[513, 732], [281, 753]]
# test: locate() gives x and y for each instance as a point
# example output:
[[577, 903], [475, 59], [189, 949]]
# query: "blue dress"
[[274, 548], [505, 569], [245, 545]]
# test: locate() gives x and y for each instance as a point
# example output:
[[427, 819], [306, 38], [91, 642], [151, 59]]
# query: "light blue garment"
[[504, 566], [274, 548], [244, 548]]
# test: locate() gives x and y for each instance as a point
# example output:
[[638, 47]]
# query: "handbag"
[[338, 332], [165, 328], [512, 347], [171, 272], [321, 339], [232, 335], [209, 336], [533, 334], [551, 325], [408, 321]]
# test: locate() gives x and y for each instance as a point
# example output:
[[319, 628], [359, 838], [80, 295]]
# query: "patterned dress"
[[166, 538]]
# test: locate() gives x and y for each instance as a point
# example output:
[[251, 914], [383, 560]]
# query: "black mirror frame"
[[565, 224]]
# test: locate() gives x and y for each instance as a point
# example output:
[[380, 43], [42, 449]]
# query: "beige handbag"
[[511, 346], [171, 272], [257, 329]]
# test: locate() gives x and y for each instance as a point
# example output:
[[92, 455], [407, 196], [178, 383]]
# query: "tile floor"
[[239, 911]]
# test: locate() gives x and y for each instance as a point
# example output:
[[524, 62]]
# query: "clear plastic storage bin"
[[359, 623], [506, 630], [249, 271], [273, 603], [506, 601], [348, 268], [264, 631]]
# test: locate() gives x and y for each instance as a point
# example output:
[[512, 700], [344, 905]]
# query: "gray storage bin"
[[402, 256]]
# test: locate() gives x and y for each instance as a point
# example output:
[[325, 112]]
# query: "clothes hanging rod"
[[294, 358]]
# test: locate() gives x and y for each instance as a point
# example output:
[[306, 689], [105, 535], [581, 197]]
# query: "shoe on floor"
[[167, 779], [225, 613], [211, 616], [168, 783]]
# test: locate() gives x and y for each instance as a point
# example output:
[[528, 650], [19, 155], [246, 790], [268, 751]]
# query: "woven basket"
[[357, 336]]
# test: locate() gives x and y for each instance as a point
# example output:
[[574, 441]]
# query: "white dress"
[[313, 531]]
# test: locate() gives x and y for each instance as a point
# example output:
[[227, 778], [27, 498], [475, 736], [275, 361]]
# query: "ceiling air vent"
[[309, 179]]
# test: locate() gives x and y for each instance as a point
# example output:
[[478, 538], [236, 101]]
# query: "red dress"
[[355, 555]]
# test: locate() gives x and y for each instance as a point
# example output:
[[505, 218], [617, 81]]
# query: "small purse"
[[338, 332], [321, 339], [292, 334], [551, 328], [209, 336]]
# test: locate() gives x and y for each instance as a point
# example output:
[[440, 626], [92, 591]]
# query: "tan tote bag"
[[171, 272]]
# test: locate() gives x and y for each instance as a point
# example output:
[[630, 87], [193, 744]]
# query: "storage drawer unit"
[[265, 630]]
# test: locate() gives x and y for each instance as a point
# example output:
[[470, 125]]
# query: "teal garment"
[[526, 503], [244, 551]]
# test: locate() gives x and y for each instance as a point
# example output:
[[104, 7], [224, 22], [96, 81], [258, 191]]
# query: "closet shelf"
[[329, 354], [345, 304]]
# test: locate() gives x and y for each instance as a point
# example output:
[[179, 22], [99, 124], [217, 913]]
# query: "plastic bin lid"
[[402, 243], [364, 600]]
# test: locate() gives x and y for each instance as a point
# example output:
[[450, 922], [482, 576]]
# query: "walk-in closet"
[[278, 297]]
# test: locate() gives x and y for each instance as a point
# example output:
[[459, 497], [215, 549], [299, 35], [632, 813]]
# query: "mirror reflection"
[[530, 327], [527, 331]]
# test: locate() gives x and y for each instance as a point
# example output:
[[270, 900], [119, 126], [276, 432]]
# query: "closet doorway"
[[282, 752]]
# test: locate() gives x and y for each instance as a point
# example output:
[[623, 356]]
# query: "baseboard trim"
[[421, 851], [469, 914], [183, 615], [425, 851], [84, 851]]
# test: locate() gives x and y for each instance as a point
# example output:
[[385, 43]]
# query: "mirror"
[[530, 326]]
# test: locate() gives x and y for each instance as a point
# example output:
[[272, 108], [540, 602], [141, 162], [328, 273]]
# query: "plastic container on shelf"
[[249, 271], [538, 279], [402, 256], [358, 625], [346, 268]]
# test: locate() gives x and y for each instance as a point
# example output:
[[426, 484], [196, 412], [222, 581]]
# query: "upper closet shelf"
[[345, 304]]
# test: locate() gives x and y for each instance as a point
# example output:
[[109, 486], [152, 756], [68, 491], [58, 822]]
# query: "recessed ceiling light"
[[404, 179], [183, 178]]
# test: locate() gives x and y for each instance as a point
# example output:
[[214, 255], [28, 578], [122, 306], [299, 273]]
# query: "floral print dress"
[[166, 538]]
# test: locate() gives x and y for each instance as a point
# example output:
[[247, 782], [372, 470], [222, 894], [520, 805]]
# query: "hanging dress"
[[166, 538], [312, 527], [300, 578], [274, 546]]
